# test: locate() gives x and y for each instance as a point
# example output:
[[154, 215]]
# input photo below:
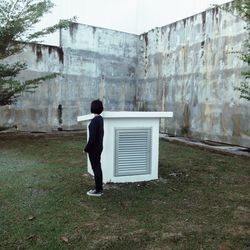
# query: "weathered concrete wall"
[[103, 61], [186, 67], [93, 63], [38, 110]]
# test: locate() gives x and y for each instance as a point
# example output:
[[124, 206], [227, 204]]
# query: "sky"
[[132, 16]]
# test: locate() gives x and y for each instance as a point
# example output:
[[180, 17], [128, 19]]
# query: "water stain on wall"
[[236, 125], [185, 129], [145, 38], [72, 31], [59, 52], [39, 49]]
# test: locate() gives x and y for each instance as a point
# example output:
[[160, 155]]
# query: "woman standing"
[[95, 145]]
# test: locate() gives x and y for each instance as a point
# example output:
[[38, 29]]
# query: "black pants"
[[95, 160]]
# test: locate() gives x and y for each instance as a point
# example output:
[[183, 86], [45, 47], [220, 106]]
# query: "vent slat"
[[128, 173], [133, 151], [133, 163], [139, 168], [132, 158], [138, 151], [133, 143], [130, 148]]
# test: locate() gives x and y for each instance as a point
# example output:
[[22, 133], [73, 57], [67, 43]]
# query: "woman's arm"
[[92, 136]]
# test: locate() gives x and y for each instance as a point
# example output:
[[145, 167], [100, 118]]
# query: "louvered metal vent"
[[132, 151]]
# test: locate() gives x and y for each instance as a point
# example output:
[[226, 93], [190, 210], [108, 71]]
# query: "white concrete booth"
[[130, 145]]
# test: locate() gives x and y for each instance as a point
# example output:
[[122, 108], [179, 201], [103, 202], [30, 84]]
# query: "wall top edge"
[[187, 18], [103, 28], [127, 114]]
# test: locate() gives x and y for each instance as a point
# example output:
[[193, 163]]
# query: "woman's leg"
[[95, 161]]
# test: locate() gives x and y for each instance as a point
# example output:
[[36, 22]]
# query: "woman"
[[95, 145]]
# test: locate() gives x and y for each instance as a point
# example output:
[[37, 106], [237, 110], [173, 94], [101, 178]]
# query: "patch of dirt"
[[225, 246]]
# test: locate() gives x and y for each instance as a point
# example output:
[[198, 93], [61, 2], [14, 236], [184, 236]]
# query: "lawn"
[[201, 200]]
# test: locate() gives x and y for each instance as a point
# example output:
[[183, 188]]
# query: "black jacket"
[[95, 141]]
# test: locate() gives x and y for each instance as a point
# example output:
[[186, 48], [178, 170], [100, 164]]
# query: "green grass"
[[201, 200]]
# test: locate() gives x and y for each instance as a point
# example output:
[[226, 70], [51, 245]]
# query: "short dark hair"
[[96, 107]]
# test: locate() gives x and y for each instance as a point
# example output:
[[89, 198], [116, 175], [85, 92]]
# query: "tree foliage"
[[242, 8], [17, 19]]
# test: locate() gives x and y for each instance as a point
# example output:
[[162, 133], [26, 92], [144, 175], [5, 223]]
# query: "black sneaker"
[[94, 193]]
